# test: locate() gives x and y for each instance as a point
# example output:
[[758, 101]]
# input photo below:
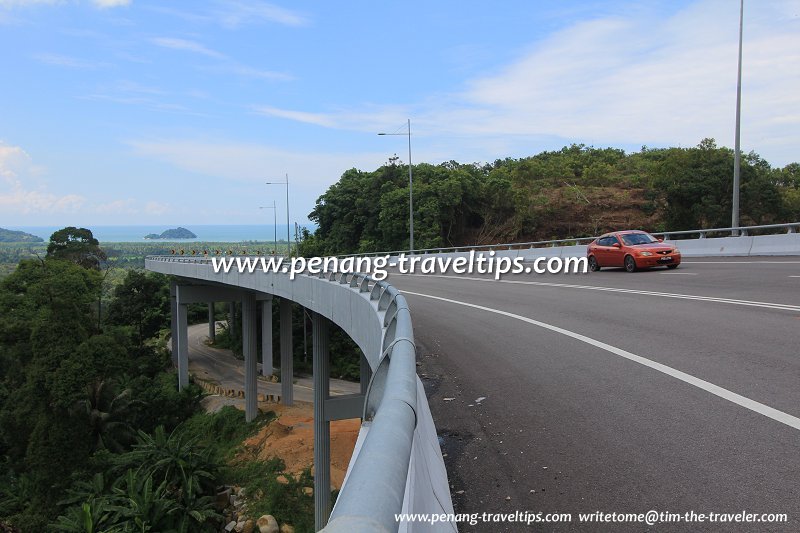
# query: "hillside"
[[577, 191], [7, 235]]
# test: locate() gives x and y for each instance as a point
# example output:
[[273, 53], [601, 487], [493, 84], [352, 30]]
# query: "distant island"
[[177, 233], [7, 235]]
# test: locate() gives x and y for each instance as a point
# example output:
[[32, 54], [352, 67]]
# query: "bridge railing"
[[380, 482], [743, 231]]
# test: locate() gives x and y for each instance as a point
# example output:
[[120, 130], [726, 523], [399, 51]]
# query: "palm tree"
[[107, 413]]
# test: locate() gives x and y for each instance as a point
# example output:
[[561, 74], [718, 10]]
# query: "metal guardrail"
[[793, 227], [376, 483]]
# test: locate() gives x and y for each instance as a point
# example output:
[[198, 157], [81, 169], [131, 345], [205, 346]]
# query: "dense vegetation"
[[132, 254], [7, 235], [574, 192], [94, 435]]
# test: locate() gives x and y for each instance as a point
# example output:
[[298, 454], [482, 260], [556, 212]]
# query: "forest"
[[94, 434], [577, 191]]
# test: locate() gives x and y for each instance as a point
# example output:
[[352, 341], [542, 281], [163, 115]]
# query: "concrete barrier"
[[786, 244]]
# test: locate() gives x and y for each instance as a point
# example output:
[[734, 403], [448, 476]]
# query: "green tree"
[[77, 245]]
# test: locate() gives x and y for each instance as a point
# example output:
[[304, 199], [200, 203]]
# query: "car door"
[[616, 255], [601, 251]]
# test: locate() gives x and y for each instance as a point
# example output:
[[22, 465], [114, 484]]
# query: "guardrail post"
[[322, 428], [212, 324], [791, 229], [267, 361], [250, 355], [287, 363]]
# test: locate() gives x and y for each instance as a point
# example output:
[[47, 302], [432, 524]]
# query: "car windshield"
[[632, 239]]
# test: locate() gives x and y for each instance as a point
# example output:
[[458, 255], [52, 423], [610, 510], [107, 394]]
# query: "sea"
[[205, 233]]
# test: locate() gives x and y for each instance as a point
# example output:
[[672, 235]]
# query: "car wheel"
[[672, 267], [630, 263], [593, 264]]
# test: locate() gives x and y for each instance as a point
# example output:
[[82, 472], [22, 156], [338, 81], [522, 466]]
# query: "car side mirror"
[[660, 239], [616, 245]]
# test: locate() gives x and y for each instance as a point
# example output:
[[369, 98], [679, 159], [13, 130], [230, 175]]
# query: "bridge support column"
[[267, 365], [366, 374], [250, 356], [322, 427], [287, 363], [183, 344], [173, 321], [212, 324]]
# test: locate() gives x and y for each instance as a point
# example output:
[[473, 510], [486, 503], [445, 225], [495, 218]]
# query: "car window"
[[632, 239], [607, 241]]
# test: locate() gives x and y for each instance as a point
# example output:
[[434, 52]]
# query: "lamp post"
[[737, 157], [288, 241], [410, 189], [274, 224]]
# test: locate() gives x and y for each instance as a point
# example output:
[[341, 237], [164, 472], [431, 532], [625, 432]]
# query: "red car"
[[632, 250]]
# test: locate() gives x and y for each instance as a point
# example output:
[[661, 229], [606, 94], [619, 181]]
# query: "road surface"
[[222, 368], [673, 391]]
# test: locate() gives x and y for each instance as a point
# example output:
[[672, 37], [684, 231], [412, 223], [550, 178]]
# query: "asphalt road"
[[673, 391], [222, 368]]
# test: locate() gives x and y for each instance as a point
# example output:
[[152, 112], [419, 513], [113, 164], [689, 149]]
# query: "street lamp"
[[274, 224], [410, 190], [737, 157], [288, 242]]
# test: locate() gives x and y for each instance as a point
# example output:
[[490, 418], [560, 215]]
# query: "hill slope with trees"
[[577, 191]]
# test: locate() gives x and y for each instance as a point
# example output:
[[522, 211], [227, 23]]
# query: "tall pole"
[[410, 188], [410, 194], [737, 157], [274, 223], [288, 243], [288, 230]]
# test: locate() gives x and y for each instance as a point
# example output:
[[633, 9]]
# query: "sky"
[[178, 113]]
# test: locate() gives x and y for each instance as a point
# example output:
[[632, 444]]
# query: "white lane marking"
[[716, 390], [769, 305], [677, 273], [794, 276]]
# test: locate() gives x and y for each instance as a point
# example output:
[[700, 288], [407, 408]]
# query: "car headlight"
[[646, 254]]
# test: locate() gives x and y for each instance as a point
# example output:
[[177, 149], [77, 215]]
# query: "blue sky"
[[150, 112]]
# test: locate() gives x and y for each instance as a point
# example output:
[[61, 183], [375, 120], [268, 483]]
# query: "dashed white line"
[[716, 390], [768, 305]]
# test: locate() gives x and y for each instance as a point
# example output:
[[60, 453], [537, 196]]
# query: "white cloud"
[[187, 46], [250, 72], [238, 13], [102, 4], [17, 198], [156, 208], [105, 4], [24, 3], [301, 116], [68, 61], [622, 80], [118, 207], [640, 80]]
